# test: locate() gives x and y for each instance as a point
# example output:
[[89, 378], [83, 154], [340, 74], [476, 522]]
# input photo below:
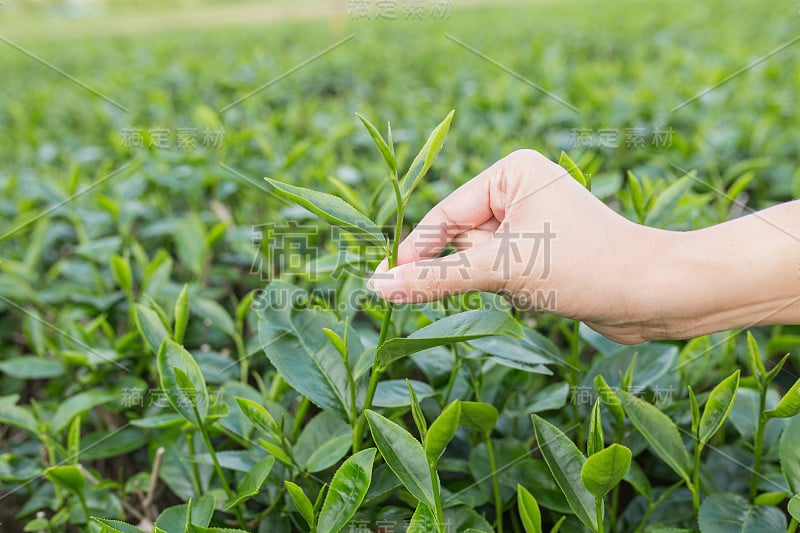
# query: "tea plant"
[[134, 386]]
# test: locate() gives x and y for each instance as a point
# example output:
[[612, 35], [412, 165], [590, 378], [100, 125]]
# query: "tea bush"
[[188, 347]]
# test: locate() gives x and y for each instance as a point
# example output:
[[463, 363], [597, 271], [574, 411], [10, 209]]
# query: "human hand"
[[525, 228]]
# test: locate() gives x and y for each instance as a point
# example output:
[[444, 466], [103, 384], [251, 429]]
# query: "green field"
[[135, 143]]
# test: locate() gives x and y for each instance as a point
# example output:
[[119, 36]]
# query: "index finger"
[[465, 208]]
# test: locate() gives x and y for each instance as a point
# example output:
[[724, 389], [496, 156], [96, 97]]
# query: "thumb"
[[433, 279]]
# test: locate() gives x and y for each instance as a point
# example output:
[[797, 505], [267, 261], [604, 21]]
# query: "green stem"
[[695, 488], [373, 380], [498, 500], [652, 505], [217, 468], [195, 470], [244, 367], [84, 508], [758, 449], [437, 498], [299, 416], [598, 509], [792, 526]]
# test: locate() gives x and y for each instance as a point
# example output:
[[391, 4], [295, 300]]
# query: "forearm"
[[741, 273]]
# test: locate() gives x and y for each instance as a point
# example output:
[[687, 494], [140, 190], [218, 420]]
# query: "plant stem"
[[244, 368], [437, 498], [387, 319], [695, 488], [299, 416], [217, 468], [792, 526], [652, 505], [498, 500], [598, 509], [758, 448], [195, 470]]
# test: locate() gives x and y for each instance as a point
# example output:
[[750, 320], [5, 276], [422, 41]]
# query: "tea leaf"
[[596, 441], [609, 399], [302, 502], [454, 328], [442, 431], [331, 209], [174, 356], [382, 145], [480, 416], [659, 431], [605, 469], [251, 483], [718, 407], [424, 159], [723, 512], [528, 511], [116, 526], [69, 477], [789, 453], [789, 404], [565, 462], [346, 492], [405, 457], [422, 521]]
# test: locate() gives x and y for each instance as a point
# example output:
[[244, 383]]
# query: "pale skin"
[[631, 283]]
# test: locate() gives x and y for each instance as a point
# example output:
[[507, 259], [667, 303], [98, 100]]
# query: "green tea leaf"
[[794, 507], [789, 404], [197, 512], [424, 159], [528, 511], [404, 455], [295, 343], [302, 502], [609, 399], [605, 469], [172, 355], [789, 453], [422, 521], [454, 328], [757, 368], [251, 483], [115, 526], [569, 165], [726, 512], [259, 417], [332, 209], [659, 431], [718, 407], [565, 462], [667, 202], [75, 405], [480, 416], [695, 412], [442, 431], [329, 453], [121, 270], [416, 412], [181, 314], [596, 441], [31, 367], [770, 498], [346, 492], [150, 326], [382, 145], [69, 477]]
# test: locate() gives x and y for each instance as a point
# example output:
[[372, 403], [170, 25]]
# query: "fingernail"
[[387, 286]]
